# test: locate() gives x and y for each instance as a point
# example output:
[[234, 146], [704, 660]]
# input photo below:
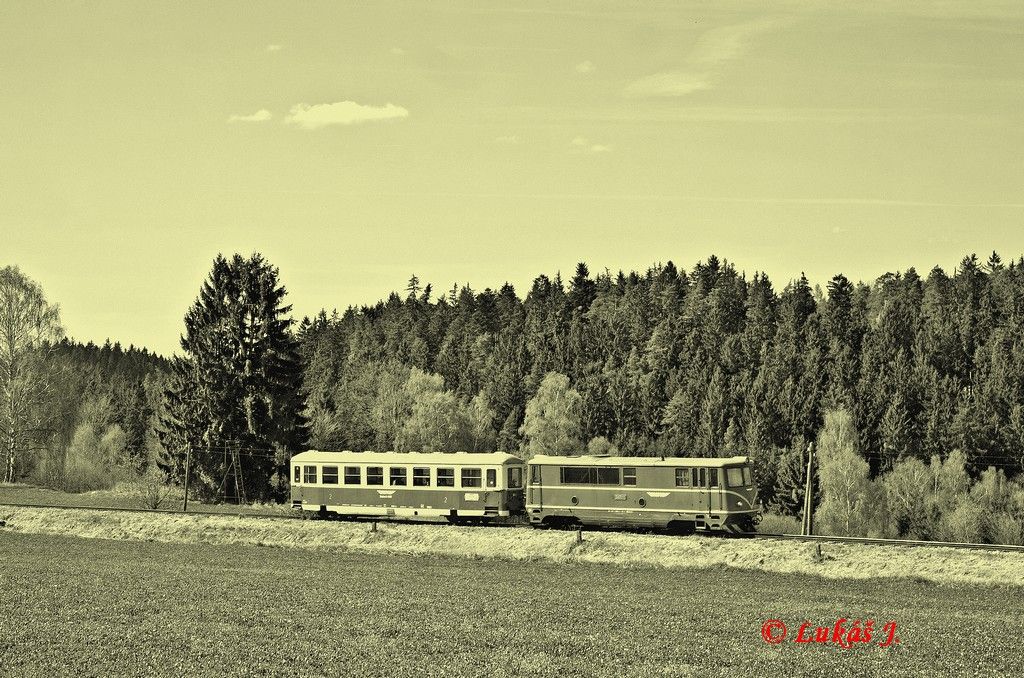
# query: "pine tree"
[[237, 388]]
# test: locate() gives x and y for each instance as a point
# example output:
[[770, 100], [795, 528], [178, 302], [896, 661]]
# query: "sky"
[[355, 144]]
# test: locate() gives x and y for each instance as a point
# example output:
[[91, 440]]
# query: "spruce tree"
[[237, 387]]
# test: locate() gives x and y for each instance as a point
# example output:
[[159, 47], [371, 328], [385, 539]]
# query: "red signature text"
[[845, 633]]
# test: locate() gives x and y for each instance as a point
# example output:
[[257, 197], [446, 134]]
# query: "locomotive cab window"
[[421, 476], [397, 475], [492, 477], [374, 475], [515, 478], [309, 475], [746, 476], [330, 475], [535, 474], [683, 477], [629, 475], [471, 477], [446, 477], [734, 477], [298, 474], [352, 475]]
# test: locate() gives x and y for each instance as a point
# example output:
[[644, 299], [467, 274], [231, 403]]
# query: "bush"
[[965, 523], [1003, 528], [151, 487], [90, 460], [774, 523], [84, 467]]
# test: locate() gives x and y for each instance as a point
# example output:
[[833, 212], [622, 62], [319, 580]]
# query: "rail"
[[820, 538], [132, 509]]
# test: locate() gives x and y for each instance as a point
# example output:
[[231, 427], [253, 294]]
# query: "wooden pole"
[[808, 524], [188, 460]]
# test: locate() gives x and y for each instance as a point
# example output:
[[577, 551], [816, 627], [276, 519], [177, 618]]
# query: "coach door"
[[715, 490], [534, 487], [700, 484]]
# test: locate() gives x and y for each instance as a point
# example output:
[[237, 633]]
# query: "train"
[[674, 494]]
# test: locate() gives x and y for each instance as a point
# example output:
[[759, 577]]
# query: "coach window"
[[712, 477], [298, 474], [352, 475], [397, 475], [446, 477], [734, 476], [515, 478], [683, 477], [470, 477], [374, 475], [309, 475], [492, 477], [421, 476], [330, 476], [629, 475]]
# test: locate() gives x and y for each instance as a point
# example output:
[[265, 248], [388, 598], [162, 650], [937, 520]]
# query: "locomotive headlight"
[[739, 502]]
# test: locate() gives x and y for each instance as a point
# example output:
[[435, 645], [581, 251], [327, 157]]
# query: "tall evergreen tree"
[[237, 388]]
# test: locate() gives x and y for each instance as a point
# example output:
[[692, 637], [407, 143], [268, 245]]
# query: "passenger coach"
[[676, 493], [453, 485]]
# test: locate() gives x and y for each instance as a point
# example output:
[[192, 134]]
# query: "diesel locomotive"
[[682, 494]]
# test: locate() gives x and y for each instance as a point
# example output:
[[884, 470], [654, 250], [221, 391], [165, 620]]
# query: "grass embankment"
[[99, 607], [841, 561]]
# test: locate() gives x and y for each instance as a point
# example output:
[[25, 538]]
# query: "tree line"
[[666, 361]]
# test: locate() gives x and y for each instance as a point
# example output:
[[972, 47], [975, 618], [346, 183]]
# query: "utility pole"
[[808, 523], [188, 459]]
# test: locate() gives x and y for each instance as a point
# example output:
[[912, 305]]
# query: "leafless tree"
[[28, 325]]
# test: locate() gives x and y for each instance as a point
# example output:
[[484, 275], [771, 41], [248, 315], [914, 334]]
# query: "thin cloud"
[[585, 67], [273, 48], [714, 48], [341, 113], [730, 42], [261, 115], [584, 144], [397, 51], [667, 85], [508, 140]]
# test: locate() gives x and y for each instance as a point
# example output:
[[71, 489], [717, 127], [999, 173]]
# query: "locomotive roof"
[[589, 460], [453, 458]]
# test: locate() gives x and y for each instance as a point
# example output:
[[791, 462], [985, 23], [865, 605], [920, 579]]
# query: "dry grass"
[[841, 561]]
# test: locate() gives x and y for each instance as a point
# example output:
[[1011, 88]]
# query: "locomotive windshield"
[[734, 476]]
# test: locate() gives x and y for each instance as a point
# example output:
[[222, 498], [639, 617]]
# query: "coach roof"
[[588, 460], [435, 458]]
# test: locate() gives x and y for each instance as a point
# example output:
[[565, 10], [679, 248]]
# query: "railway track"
[[754, 535], [888, 542], [130, 509]]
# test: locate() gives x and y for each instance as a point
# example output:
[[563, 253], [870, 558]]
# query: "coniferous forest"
[[912, 385]]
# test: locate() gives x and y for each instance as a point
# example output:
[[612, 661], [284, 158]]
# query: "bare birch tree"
[[28, 324]]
